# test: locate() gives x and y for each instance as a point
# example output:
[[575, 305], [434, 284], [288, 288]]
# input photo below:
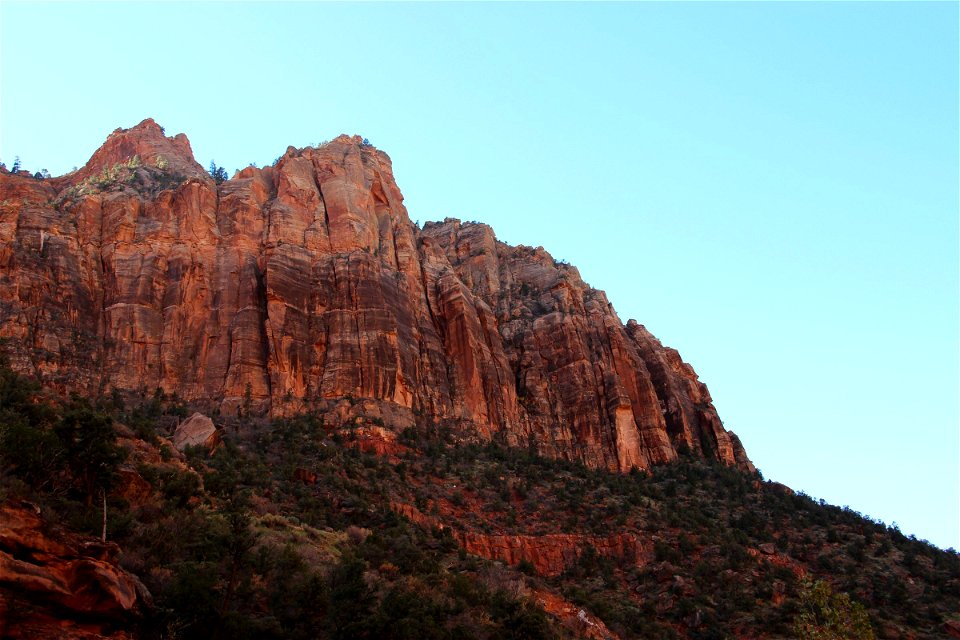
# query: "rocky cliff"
[[305, 285], [548, 554]]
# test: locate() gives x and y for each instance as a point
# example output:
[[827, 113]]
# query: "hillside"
[[306, 527]]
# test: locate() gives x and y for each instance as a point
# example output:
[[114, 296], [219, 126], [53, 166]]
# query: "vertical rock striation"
[[305, 283]]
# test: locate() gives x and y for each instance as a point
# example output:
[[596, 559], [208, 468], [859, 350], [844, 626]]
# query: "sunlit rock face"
[[305, 285]]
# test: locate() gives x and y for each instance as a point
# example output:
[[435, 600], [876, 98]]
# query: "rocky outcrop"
[[57, 585], [551, 554], [196, 431], [688, 412], [305, 285], [578, 620]]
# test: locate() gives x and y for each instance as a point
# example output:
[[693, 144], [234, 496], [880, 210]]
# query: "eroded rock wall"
[[306, 283]]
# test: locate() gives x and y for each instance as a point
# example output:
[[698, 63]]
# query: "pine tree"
[[219, 174]]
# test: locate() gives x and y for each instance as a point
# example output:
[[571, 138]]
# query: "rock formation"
[[304, 285], [549, 554], [197, 430], [58, 585]]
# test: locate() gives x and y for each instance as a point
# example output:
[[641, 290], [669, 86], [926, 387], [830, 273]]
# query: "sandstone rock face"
[[55, 585], [197, 430], [582, 623], [305, 285], [551, 554]]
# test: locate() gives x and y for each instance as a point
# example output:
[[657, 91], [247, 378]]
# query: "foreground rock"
[[305, 285], [58, 585]]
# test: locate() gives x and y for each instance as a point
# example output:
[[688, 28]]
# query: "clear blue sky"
[[771, 188]]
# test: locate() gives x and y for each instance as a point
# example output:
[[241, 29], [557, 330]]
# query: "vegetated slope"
[[310, 527], [301, 285]]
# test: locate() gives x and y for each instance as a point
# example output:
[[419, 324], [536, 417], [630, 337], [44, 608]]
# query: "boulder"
[[197, 430]]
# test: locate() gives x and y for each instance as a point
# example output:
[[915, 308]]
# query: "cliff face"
[[550, 554], [305, 285]]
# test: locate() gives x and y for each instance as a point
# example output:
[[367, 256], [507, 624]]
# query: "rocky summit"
[[305, 285]]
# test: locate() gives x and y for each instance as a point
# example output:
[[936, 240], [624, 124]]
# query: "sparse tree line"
[[218, 173], [16, 167]]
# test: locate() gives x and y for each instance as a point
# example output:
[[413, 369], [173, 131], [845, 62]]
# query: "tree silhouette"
[[90, 447], [219, 174]]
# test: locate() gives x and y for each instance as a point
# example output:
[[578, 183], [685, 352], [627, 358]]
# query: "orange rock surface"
[[581, 622], [305, 283], [549, 554]]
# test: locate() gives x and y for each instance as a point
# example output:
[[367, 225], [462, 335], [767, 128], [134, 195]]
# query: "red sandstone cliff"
[[305, 284]]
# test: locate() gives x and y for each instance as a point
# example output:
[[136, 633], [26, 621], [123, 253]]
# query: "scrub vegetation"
[[289, 530]]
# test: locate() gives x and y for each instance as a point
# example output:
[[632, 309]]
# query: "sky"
[[771, 188]]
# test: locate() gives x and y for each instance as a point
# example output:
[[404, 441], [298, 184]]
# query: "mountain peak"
[[148, 141]]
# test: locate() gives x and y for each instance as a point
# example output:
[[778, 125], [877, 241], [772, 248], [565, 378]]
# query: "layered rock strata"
[[305, 285], [548, 554]]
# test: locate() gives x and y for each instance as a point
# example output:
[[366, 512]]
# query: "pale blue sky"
[[771, 188]]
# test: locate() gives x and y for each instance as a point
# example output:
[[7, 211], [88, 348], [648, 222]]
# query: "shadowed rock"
[[58, 585]]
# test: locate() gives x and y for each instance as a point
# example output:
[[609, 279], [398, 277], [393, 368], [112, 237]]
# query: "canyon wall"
[[305, 285]]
